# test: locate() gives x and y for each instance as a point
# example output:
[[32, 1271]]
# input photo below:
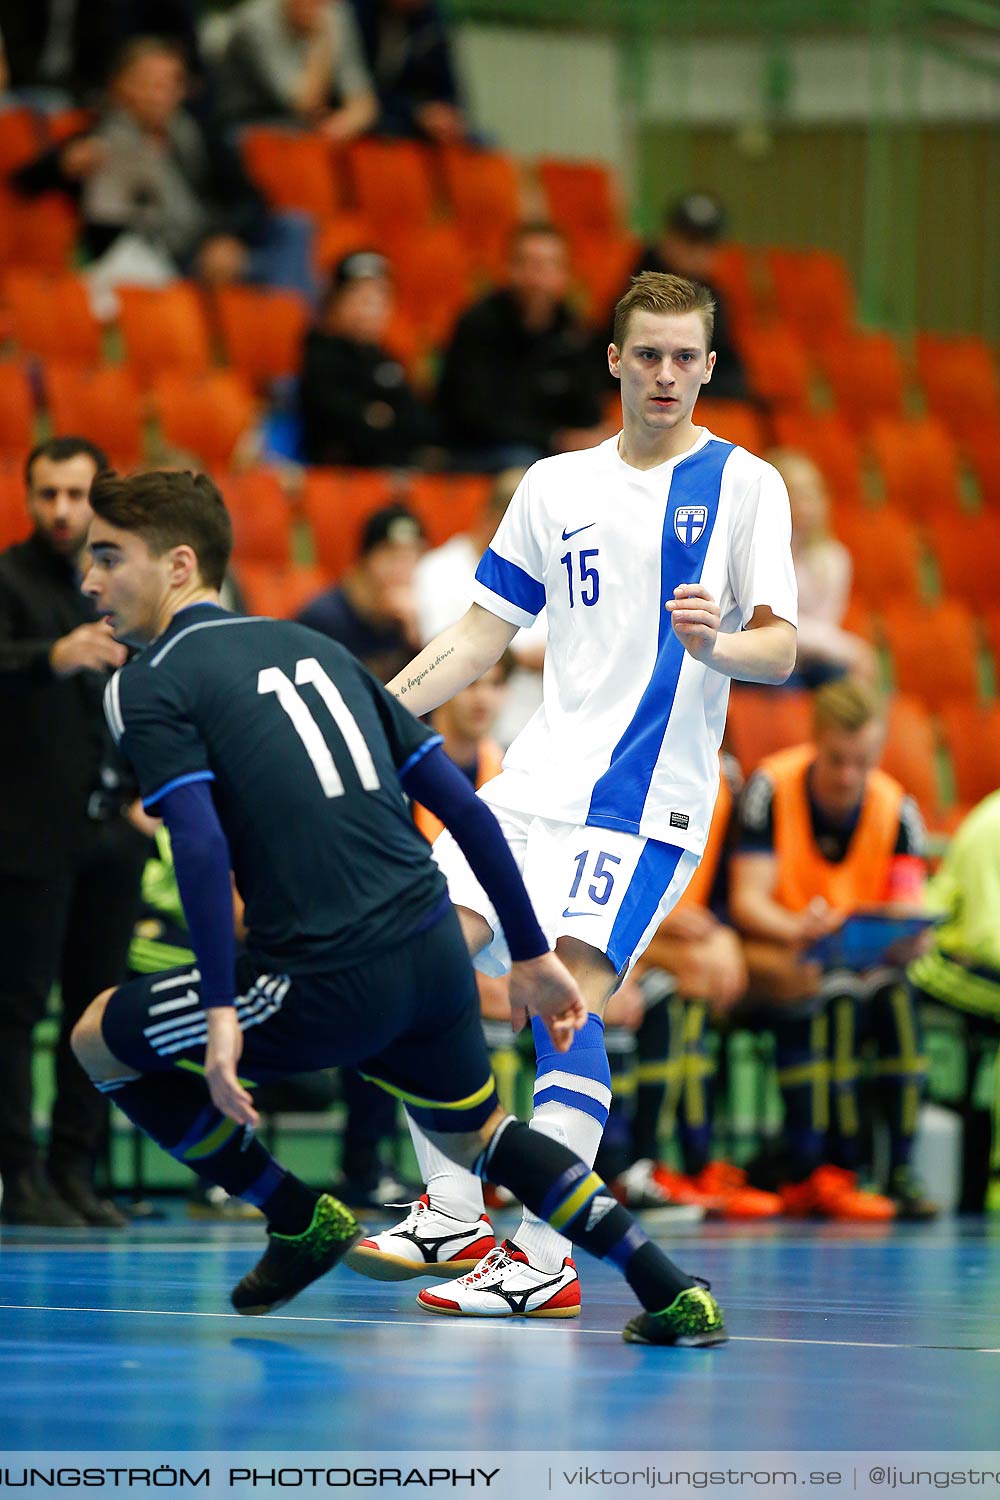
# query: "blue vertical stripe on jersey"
[[620, 794], [510, 582], [655, 869]]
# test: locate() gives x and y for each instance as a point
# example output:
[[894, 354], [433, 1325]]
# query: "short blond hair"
[[847, 703], [659, 292]]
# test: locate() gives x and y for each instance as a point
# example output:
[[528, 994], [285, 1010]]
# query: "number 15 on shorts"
[[596, 870]]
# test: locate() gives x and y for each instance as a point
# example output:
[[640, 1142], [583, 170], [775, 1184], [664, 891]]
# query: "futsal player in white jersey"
[[663, 559]]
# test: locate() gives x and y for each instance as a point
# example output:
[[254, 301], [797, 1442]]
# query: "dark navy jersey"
[[304, 750]]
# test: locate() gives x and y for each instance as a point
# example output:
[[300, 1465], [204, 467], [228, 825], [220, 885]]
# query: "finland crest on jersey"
[[689, 523], [628, 733]]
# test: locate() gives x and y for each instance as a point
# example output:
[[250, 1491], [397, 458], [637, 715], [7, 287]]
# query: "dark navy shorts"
[[408, 1019]]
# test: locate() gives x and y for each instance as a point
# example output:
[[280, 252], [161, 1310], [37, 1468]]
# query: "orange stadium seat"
[[15, 523], [812, 291], [393, 183], [918, 461], [447, 503], [865, 375], [910, 754], [959, 380], [293, 170], [21, 138], [51, 316], [204, 415], [762, 720], [859, 620], [582, 196], [991, 630], [971, 734], [885, 554], [63, 123], [40, 233], [102, 402], [833, 446], [602, 266], [262, 518], [341, 236], [281, 592], [337, 502], [484, 189], [17, 411], [736, 421], [261, 330], [163, 328], [967, 552], [935, 654], [981, 451], [776, 364], [433, 275], [735, 273]]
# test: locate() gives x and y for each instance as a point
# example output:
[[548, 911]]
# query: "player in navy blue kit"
[[269, 750]]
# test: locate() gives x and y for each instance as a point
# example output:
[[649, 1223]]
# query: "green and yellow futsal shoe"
[[693, 1318], [291, 1262]]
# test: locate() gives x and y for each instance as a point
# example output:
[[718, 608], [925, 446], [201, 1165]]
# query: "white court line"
[[275, 1318]]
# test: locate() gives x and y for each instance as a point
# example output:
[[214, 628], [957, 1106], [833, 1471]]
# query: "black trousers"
[[73, 926]]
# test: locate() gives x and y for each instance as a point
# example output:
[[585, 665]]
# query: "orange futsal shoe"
[[722, 1191], [736, 1198], [833, 1193]]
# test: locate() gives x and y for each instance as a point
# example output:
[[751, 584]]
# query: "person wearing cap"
[[692, 227], [372, 610], [356, 404]]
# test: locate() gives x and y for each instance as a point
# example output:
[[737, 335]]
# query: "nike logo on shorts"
[[567, 534]]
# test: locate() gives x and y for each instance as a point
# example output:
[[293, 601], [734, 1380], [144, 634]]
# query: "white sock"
[[544, 1246], [450, 1188]]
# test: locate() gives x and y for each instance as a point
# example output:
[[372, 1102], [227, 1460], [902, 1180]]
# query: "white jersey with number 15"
[[629, 731]]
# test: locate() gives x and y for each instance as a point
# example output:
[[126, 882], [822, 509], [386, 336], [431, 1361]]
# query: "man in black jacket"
[[357, 405], [70, 864], [521, 379], [686, 246]]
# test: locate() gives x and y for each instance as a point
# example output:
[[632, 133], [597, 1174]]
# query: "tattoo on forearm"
[[412, 682]]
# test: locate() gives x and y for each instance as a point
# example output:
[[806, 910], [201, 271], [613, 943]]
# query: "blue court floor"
[[842, 1338]]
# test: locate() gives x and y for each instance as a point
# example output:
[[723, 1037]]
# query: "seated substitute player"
[[822, 832], [663, 559], [269, 750]]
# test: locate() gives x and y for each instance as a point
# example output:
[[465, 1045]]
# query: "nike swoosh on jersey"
[[567, 534], [568, 913]]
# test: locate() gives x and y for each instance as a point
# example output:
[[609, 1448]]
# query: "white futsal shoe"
[[426, 1243], [506, 1285]]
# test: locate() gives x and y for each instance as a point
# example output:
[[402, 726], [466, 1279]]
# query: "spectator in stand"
[[57, 52], [356, 403], [520, 378], [297, 62], [409, 55], [444, 579], [822, 833], [147, 175], [70, 862], [373, 611], [823, 573], [685, 246]]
